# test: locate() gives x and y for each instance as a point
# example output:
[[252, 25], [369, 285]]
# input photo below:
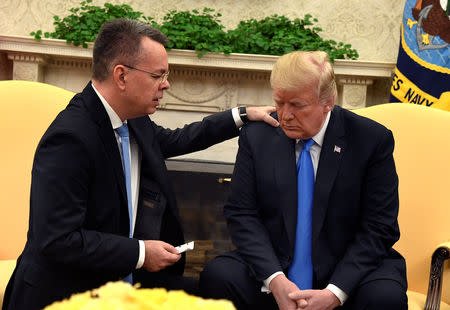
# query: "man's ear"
[[330, 104], [120, 76]]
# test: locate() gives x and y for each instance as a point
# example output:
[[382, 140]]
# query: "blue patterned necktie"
[[125, 144], [301, 269]]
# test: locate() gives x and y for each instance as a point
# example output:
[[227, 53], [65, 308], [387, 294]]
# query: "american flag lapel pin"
[[337, 149]]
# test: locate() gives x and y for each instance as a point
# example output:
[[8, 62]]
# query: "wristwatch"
[[243, 114]]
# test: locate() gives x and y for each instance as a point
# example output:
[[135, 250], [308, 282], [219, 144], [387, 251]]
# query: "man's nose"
[[287, 114], [164, 85]]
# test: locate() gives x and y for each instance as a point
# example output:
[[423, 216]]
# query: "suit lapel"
[[110, 143], [286, 181], [141, 127], [331, 154], [106, 133]]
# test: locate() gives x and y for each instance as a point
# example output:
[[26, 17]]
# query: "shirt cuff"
[[237, 119], [340, 294], [265, 287], [141, 259]]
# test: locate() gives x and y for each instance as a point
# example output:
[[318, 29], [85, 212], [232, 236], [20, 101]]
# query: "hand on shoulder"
[[262, 114]]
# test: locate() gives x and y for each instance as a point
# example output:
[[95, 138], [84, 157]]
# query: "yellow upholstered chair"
[[422, 156], [26, 111]]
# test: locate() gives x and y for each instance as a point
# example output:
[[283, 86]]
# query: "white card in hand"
[[185, 247]]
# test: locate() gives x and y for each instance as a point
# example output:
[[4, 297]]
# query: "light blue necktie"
[[301, 269], [125, 144]]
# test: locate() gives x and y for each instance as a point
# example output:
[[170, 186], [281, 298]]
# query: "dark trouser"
[[228, 278]]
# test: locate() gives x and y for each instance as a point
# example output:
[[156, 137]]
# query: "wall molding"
[[187, 58]]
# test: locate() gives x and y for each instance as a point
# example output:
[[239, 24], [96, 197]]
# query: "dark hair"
[[119, 42]]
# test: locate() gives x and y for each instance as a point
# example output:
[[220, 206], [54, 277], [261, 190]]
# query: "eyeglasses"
[[162, 77]]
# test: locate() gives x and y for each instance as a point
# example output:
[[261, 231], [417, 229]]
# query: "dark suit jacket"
[[78, 227], [354, 210]]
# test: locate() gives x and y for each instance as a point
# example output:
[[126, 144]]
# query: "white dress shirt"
[[315, 155], [135, 162], [135, 167]]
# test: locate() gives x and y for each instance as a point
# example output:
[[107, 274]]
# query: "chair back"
[[26, 109], [422, 157]]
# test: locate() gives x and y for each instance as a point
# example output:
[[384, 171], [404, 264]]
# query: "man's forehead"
[[294, 95], [154, 55]]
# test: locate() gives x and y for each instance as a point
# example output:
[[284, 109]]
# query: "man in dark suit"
[[103, 209], [354, 204]]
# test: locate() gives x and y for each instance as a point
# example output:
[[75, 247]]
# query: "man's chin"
[[152, 109], [293, 134]]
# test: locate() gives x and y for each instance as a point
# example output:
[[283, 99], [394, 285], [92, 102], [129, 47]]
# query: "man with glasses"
[[162, 77], [102, 207]]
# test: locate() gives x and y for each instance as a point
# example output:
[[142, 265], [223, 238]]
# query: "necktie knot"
[[123, 131], [307, 143]]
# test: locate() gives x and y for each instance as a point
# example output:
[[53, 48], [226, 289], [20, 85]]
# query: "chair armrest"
[[441, 253]]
